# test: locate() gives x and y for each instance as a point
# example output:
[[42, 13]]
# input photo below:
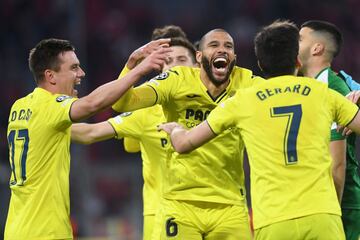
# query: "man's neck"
[[315, 68], [213, 90]]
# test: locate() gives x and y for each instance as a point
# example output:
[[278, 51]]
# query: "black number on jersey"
[[293, 114], [171, 228]]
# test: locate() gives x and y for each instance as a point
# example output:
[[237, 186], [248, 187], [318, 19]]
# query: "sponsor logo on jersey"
[[62, 98]]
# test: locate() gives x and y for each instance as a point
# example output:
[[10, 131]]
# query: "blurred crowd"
[[105, 181]]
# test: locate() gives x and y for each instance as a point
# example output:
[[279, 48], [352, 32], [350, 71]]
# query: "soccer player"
[[180, 57], [320, 43], [141, 125], [285, 124], [196, 204], [39, 137]]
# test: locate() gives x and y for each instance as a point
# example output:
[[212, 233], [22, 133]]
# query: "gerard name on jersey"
[[298, 88]]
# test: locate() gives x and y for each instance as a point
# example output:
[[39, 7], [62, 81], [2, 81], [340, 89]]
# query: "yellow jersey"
[[39, 141], [285, 124], [142, 126], [202, 174]]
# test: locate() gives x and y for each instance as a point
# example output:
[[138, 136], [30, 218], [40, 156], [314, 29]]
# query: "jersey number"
[[171, 228], [293, 114], [22, 135]]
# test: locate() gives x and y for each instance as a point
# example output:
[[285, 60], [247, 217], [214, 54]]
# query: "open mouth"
[[220, 65], [75, 91]]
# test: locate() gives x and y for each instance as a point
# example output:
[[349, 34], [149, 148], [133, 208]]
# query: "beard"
[[207, 67]]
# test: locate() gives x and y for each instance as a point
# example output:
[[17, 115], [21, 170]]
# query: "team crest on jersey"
[[125, 114], [162, 76], [62, 98]]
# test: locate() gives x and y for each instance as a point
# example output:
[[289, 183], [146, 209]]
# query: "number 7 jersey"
[[39, 142], [285, 124]]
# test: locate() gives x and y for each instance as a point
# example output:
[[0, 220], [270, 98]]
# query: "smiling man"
[[39, 137], [196, 204]]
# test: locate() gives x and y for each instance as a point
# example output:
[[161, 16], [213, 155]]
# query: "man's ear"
[[49, 76], [198, 56], [298, 63], [317, 49]]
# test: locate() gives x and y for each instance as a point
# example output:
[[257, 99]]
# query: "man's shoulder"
[[184, 70], [240, 71], [337, 83]]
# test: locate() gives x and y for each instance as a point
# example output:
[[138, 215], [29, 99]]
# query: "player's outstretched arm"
[[105, 95], [86, 133], [185, 141]]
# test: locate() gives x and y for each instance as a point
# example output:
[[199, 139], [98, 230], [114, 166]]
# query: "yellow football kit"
[[285, 125], [202, 174], [39, 140], [141, 126]]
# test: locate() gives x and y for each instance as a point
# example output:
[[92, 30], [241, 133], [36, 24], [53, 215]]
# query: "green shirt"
[[351, 195]]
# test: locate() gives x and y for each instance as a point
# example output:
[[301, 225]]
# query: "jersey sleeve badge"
[[62, 98], [162, 76]]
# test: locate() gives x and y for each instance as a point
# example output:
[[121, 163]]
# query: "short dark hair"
[[45, 55], [201, 41], [329, 28], [183, 42], [168, 31], [277, 48]]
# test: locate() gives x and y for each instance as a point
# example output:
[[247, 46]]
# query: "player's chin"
[[220, 77]]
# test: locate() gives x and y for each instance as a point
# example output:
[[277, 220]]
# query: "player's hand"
[[139, 54], [155, 61], [345, 130], [169, 127], [354, 96]]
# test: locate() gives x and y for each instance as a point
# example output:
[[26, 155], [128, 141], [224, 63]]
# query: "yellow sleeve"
[[59, 113], [157, 90], [166, 84], [344, 110], [224, 115], [131, 145], [124, 71], [136, 98]]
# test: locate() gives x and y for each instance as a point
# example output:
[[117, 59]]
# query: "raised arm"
[[105, 95], [185, 141], [142, 52]]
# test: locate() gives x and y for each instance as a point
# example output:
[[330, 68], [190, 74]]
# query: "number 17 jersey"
[[39, 151]]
